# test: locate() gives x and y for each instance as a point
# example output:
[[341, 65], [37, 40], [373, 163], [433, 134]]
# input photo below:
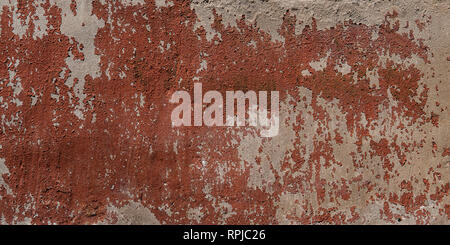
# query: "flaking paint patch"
[[205, 19], [163, 3], [195, 214], [4, 171], [40, 20], [133, 213], [265, 156], [320, 64], [133, 2], [82, 26]]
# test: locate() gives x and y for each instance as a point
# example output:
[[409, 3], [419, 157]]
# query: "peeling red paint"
[[72, 169]]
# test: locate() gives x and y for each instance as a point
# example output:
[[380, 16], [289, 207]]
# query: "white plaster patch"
[[320, 64], [269, 20], [40, 22], [16, 87], [203, 66], [195, 214], [134, 213], [4, 170], [205, 19], [306, 73], [19, 25], [132, 2], [83, 28], [163, 3], [373, 77], [343, 68]]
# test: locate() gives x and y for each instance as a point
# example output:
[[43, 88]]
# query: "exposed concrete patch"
[[83, 28], [133, 213], [195, 214], [343, 68], [4, 170], [133, 2], [320, 64], [205, 19], [163, 3], [268, 15], [40, 20]]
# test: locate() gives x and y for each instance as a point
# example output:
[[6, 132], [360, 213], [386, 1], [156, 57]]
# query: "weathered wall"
[[86, 136]]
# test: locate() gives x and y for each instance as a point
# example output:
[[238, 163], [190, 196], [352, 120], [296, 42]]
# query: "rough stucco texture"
[[86, 135]]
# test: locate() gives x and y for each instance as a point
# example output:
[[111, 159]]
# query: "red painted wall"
[[86, 136]]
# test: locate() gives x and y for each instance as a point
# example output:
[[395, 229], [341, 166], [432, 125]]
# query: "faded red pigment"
[[68, 174]]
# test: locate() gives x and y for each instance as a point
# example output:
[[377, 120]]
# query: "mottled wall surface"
[[86, 134]]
